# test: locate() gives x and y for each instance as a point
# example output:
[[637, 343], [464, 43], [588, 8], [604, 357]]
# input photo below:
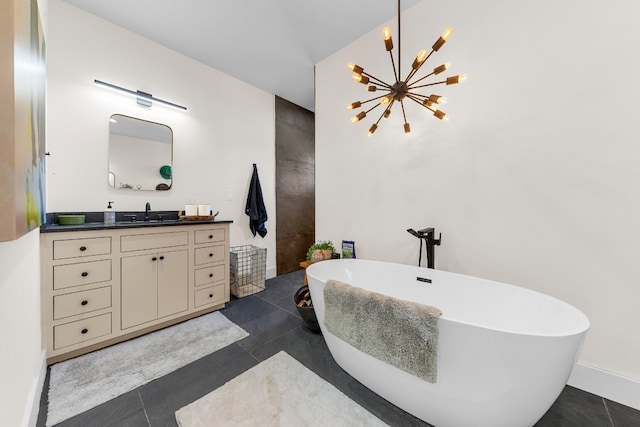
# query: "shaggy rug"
[[84, 382], [279, 392]]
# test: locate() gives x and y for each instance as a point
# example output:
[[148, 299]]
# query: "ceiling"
[[272, 45]]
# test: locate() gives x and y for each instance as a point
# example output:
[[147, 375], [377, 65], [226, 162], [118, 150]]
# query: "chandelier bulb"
[[407, 128], [422, 55], [442, 39], [355, 105], [437, 99], [447, 33], [387, 113], [361, 115], [372, 88], [439, 114], [441, 68], [372, 129], [359, 78], [386, 99], [388, 41], [355, 68], [456, 79]]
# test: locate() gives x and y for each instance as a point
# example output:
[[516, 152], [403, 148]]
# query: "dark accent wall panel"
[[295, 184]]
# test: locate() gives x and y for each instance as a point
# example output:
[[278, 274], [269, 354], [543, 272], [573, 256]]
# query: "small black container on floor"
[[307, 313]]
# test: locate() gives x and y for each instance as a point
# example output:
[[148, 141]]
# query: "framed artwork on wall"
[[22, 120]]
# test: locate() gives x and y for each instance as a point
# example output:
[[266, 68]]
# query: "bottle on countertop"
[[109, 215]]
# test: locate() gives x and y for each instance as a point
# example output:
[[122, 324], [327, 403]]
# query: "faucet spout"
[[147, 208]]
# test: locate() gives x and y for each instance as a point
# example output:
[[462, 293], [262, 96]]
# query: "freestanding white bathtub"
[[504, 352]]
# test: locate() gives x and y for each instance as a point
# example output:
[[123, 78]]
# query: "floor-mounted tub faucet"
[[147, 208], [428, 235]]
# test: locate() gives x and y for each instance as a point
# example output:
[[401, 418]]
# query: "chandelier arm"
[[417, 96], [404, 115], [393, 64], [372, 99], [422, 78], [429, 84], [377, 80], [414, 71], [399, 46]]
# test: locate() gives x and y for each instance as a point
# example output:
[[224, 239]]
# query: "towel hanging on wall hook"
[[255, 207]]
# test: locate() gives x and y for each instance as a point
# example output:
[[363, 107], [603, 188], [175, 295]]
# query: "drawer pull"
[[84, 302], [84, 274], [84, 331], [210, 254], [210, 274], [211, 236], [154, 259], [83, 248], [161, 257], [210, 295]]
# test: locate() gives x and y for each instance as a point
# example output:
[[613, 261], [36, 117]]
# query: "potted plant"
[[320, 251]]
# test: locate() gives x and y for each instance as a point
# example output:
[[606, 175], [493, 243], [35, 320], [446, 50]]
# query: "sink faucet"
[[147, 208]]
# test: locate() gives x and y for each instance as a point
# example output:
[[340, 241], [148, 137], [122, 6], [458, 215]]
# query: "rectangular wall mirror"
[[140, 154]]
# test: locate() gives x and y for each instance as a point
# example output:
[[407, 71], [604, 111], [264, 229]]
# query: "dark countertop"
[[94, 221]]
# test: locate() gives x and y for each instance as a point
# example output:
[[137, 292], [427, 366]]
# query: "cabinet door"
[[173, 280], [139, 283]]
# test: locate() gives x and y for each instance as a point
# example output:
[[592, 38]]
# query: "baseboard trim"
[[625, 391], [271, 272], [32, 407]]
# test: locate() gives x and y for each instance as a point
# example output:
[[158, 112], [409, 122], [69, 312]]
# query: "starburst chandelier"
[[405, 89]]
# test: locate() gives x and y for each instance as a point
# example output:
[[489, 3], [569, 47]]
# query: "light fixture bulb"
[[422, 55], [439, 114], [386, 99], [386, 36], [387, 113], [372, 88], [442, 39], [354, 105], [359, 78], [359, 117], [372, 129], [456, 79], [407, 128], [446, 34], [441, 68], [437, 99], [355, 68]]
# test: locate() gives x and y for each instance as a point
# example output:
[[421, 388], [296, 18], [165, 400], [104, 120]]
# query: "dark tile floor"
[[271, 319]]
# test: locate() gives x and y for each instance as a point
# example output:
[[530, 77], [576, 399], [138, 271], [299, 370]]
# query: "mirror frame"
[[125, 130]]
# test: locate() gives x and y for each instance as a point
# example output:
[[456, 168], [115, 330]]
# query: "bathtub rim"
[[581, 319]]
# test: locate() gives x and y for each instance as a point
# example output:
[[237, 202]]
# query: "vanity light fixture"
[[401, 90], [142, 98]]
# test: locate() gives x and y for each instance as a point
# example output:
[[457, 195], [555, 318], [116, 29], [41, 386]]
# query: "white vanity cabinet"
[[109, 284]]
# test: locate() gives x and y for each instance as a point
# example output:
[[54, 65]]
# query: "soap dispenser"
[[109, 215]]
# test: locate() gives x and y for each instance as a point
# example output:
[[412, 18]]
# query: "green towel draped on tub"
[[401, 333]]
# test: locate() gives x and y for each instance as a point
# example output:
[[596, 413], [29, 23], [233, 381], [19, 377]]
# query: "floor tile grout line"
[[144, 409], [606, 408]]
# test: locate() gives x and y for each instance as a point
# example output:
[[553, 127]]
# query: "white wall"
[[228, 126], [535, 179], [22, 357]]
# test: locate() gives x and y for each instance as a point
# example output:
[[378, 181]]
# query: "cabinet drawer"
[[208, 236], [209, 275], [73, 248], [82, 273], [212, 295], [81, 302], [138, 242], [209, 254], [80, 331]]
